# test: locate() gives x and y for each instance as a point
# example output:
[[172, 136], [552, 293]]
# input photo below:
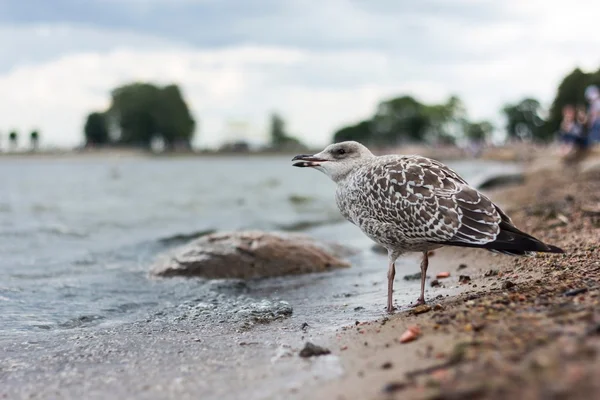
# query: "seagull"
[[410, 203]]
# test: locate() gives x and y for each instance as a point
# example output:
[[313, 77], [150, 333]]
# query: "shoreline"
[[493, 336], [506, 153]]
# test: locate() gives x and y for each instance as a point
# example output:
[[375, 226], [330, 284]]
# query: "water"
[[78, 236]]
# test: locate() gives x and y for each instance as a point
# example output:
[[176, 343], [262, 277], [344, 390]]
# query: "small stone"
[[575, 292], [410, 334], [508, 285], [464, 279], [412, 277], [311, 350], [435, 283], [386, 365], [393, 387], [423, 308], [461, 266]]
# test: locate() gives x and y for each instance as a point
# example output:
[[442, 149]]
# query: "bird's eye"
[[340, 151]]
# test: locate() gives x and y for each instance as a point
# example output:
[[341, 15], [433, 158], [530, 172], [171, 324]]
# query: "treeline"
[[405, 119], [139, 114]]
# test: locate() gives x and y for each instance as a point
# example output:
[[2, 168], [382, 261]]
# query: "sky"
[[320, 64]]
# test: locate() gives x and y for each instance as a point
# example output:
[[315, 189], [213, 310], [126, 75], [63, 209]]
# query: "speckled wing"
[[430, 202]]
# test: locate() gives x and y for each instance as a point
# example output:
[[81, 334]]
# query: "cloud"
[[36, 43], [321, 67], [244, 83]]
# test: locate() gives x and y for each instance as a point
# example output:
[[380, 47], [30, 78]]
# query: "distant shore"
[[510, 153]]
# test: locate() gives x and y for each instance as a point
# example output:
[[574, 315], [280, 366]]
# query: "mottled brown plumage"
[[413, 203]]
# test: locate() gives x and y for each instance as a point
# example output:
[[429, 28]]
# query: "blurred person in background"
[[572, 134], [592, 95]]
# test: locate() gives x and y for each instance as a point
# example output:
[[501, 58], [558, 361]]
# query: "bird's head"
[[336, 160]]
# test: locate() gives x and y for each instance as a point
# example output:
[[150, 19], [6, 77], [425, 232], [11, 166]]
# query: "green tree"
[[399, 120], [34, 139], [570, 91], [524, 119], [143, 111], [277, 130], [446, 121], [479, 131], [13, 139], [174, 121], [95, 129], [280, 139], [361, 132]]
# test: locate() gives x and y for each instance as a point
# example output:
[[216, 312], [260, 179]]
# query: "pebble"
[[423, 308], [394, 387], [508, 285], [410, 334], [311, 350], [575, 292]]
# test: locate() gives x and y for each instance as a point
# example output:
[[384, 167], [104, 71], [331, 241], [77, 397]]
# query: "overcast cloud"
[[320, 64]]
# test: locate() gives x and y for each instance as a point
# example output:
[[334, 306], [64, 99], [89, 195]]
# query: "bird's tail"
[[513, 242]]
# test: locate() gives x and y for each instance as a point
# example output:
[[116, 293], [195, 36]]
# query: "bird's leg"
[[424, 265], [390, 276]]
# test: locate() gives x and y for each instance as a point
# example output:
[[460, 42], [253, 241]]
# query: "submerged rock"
[[251, 254], [501, 181]]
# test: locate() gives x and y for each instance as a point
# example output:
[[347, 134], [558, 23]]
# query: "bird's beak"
[[307, 160]]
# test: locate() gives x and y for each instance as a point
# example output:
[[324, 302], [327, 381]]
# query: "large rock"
[[251, 254]]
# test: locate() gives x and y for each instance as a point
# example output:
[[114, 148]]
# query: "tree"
[[279, 138], [405, 119], [173, 119], [524, 120], [277, 130], [140, 113], [95, 129], [479, 131], [133, 109], [570, 92], [399, 120], [34, 139], [13, 139], [361, 132]]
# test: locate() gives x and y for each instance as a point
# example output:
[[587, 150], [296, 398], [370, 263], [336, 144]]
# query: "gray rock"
[[502, 181], [251, 254]]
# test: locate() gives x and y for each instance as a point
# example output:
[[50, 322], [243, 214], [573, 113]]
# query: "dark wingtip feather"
[[513, 242], [554, 249]]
